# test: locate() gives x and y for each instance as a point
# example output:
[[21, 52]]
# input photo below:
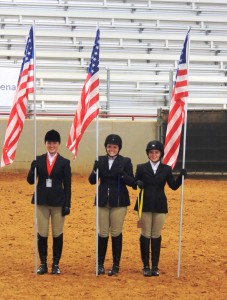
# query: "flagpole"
[[183, 162], [97, 193], [35, 174], [97, 187]]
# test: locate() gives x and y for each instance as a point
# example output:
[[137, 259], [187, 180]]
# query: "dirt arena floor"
[[203, 260]]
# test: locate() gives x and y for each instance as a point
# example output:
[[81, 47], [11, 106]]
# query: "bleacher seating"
[[140, 47]]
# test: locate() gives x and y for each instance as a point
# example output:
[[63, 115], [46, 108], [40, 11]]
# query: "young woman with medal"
[[53, 199]]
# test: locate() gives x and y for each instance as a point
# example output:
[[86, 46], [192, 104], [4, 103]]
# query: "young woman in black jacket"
[[151, 177], [115, 173], [53, 199]]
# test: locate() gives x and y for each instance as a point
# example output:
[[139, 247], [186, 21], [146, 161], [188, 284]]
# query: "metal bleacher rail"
[[140, 47]]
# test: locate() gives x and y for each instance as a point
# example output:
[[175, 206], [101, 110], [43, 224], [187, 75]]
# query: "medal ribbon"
[[140, 202], [50, 167]]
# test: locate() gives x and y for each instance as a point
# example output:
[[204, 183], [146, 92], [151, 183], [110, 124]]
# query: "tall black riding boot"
[[57, 251], [42, 248], [102, 247], [144, 250], [116, 252], [155, 249]]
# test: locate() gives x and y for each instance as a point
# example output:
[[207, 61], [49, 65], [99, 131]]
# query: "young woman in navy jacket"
[[115, 174], [151, 177]]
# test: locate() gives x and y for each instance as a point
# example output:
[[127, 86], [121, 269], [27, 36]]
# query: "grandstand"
[[140, 47]]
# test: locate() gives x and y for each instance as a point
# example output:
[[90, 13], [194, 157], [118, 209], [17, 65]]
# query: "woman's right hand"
[[34, 165], [140, 184], [96, 165]]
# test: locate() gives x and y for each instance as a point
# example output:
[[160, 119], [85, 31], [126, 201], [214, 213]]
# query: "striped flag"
[[25, 86], [177, 109], [88, 107]]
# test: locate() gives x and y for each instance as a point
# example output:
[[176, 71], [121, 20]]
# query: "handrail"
[[111, 15], [160, 36], [102, 115]]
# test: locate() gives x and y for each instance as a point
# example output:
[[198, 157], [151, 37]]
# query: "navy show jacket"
[[113, 186], [155, 199]]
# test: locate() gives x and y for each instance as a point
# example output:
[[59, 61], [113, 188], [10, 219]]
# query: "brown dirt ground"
[[202, 272]]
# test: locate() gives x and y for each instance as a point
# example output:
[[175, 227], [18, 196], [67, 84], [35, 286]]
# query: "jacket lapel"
[[160, 167], [56, 163], [44, 163], [149, 168], [106, 164]]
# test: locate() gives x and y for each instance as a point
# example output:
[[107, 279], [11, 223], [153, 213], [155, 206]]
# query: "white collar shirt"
[[110, 161], [154, 166], [51, 157]]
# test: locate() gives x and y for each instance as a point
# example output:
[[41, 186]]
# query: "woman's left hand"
[[183, 172], [65, 211]]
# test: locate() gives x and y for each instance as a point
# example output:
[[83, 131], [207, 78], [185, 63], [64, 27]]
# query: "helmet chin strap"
[[155, 162], [112, 156]]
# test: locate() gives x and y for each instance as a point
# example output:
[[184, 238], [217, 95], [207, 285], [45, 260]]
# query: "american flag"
[[88, 107], [25, 86], [177, 109]]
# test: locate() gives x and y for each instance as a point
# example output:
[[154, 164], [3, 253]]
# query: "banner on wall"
[[8, 85]]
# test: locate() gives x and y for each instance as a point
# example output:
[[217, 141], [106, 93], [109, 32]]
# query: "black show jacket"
[[154, 195], [60, 192], [112, 187]]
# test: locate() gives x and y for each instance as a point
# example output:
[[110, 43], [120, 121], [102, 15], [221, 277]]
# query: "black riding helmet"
[[155, 145], [52, 136], [113, 139]]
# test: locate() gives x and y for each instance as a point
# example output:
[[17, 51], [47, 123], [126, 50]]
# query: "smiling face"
[[154, 155], [52, 147], [112, 150]]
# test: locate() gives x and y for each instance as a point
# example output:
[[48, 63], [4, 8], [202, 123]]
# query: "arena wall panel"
[[135, 135]]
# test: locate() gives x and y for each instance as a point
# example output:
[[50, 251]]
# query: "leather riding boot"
[[144, 250], [102, 247], [42, 249], [155, 249], [57, 251], [116, 252]]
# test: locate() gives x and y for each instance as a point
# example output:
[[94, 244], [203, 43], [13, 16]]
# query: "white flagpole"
[[97, 193], [35, 175], [97, 186], [183, 161]]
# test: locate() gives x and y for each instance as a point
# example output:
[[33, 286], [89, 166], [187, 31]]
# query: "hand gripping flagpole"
[[183, 161], [35, 174]]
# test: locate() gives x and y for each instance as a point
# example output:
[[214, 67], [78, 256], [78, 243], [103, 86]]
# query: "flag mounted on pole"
[[88, 107], [176, 116], [25, 86]]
